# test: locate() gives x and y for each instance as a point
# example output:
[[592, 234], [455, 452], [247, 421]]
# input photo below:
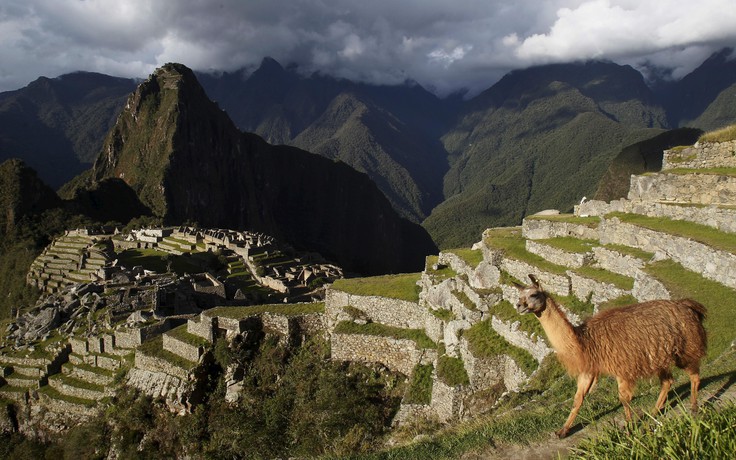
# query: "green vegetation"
[[160, 261], [452, 371], [570, 244], [465, 300], [402, 287], [417, 335], [725, 134], [443, 314], [717, 298], [420, 385], [701, 233], [618, 302], [282, 309], [628, 250], [484, 342], [155, 348], [527, 323], [590, 222], [440, 274], [180, 333], [598, 274], [514, 246], [472, 257], [711, 434]]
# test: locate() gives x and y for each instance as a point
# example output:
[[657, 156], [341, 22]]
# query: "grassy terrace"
[[92, 369], [720, 135], [382, 330], [591, 222], [633, 252], [717, 298], [152, 259], [570, 244], [402, 287], [155, 348], [514, 246], [441, 274], [472, 257], [53, 393], [180, 333], [484, 342], [78, 383], [283, 309], [701, 233]]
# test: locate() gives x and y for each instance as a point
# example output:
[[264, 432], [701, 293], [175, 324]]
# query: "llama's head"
[[532, 299]]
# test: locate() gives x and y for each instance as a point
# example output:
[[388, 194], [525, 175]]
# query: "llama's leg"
[[585, 382], [665, 378], [625, 393], [694, 373]]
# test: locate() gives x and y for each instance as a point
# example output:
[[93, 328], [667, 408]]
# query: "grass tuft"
[[402, 287]]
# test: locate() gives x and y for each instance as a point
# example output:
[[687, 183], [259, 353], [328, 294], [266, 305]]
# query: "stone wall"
[[202, 326], [723, 219], [679, 188], [485, 372], [181, 348], [535, 345], [447, 401], [582, 287], [539, 229], [153, 364], [557, 284], [698, 257], [400, 355], [391, 312], [558, 256], [484, 276], [705, 155]]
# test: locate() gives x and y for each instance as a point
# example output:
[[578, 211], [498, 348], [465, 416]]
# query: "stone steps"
[[22, 381], [548, 250]]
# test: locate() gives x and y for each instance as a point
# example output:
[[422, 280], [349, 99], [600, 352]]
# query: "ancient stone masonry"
[[701, 155], [444, 310]]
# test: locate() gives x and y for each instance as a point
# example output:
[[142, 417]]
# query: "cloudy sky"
[[443, 44]]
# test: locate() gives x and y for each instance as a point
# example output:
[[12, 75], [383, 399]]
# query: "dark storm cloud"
[[445, 45]]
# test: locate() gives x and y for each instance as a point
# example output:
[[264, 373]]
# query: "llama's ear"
[[535, 283]]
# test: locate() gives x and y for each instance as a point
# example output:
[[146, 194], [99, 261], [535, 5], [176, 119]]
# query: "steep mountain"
[[186, 161], [22, 194], [539, 138], [639, 158], [388, 132], [57, 125], [704, 98]]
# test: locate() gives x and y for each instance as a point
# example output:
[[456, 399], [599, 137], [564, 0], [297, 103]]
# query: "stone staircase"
[[600, 256]]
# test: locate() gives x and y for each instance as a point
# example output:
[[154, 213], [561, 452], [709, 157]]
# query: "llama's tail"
[[696, 307]]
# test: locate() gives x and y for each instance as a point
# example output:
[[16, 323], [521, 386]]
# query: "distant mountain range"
[[539, 138]]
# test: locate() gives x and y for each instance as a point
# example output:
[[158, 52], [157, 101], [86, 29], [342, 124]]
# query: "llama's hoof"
[[561, 433]]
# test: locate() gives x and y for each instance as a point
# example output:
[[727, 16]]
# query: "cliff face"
[[186, 161], [22, 193]]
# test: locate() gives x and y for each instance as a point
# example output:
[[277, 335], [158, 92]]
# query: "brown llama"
[[629, 343]]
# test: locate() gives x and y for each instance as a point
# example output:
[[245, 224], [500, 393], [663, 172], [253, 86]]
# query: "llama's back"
[[644, 339]]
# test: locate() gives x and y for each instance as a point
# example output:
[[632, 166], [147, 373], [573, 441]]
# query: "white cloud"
[[443, 45]]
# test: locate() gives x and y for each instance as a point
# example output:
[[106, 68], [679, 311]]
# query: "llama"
[[629, 343]]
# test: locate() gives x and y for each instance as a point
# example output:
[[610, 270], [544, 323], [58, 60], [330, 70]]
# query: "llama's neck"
[[559, 330]]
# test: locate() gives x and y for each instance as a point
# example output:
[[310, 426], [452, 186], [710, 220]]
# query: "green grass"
[[514, 246], [283, 309], [417, 335], [443, 314], [570, 244], [618, 302], [697, 232], [75, 382], [629, 251], [717, 298], [484, 342], [527, 323], [590, 222], [598, 274], [472, 257], [402, 286], [710, 434], [53, 393], [420, 385], [180, 333], [440, 274], [452, 371], [725, 134], [155, 348], [157, 261], [584, 308], [465, 300]]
